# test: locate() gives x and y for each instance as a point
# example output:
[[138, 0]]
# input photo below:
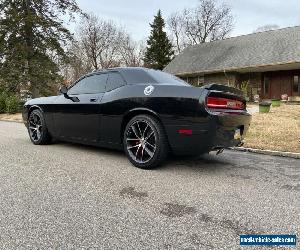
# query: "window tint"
[[142, 76], [114, 81], [137, 76], [162, 77], [89, 85]]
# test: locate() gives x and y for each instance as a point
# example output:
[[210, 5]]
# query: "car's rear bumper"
[[227, 126], [216, 131]]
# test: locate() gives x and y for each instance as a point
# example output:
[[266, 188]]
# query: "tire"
[[37, 129], [145, 142]]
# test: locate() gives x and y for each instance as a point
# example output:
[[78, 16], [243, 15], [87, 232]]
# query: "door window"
[[115, 80], [89, 85]]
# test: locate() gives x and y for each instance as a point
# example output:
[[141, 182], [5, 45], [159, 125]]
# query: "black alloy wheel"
[[145, 142], [37, 129]]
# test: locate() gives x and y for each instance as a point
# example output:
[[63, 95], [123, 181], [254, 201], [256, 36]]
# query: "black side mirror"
[[63, 90]]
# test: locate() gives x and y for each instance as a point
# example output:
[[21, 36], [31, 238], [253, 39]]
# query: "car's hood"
[[41, 100]]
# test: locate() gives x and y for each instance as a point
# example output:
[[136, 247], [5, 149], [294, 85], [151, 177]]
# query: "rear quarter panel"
[[173, 105]]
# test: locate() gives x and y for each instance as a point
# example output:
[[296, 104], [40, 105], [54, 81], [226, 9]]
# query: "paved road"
[[66, 196]]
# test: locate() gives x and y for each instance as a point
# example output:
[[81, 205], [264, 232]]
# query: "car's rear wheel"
[[145, 142], [37, 129]]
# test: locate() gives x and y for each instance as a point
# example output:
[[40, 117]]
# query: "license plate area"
[[237, 134]]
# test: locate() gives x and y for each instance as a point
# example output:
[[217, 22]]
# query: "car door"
[[81, 119], [112, 108]]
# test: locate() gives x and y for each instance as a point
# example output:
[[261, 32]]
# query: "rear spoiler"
[[223, 88]]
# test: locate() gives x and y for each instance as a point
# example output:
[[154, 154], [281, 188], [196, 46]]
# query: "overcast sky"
[[135, 15]]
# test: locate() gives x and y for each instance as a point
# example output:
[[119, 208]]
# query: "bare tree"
[[100, 44], [101, 40], [78, 64], [207, 22], [132, 52], [176, 25], [267, 28]]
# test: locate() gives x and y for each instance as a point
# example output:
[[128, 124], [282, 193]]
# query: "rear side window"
[[162, 77], [89, 85], [147, 76], [137, 76], [114, 81]]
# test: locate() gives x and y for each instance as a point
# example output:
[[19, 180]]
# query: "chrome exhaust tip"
[[220, 151]]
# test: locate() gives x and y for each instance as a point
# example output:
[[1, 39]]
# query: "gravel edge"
[[4, 120], [268, 152]]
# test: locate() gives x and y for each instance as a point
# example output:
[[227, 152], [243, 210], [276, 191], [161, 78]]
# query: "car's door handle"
[[93, 99]]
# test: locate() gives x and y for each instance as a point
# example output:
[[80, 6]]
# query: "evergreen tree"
[[32, 37], [159, 48]]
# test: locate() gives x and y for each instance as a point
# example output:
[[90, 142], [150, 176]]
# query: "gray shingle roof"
[[257, 49]]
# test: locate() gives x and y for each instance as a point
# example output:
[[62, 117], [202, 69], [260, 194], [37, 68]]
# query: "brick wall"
[[254, 80], [223, 78], [194, 80], [199, 80], [231, 79]]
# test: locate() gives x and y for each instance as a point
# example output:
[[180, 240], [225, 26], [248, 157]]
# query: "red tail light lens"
[[224, 103], [185, 131]]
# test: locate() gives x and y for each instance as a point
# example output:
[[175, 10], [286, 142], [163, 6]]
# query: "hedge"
[[9, 103]]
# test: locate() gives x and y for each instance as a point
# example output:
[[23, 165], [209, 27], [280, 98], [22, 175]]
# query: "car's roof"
[[139, 75], [120, 69]]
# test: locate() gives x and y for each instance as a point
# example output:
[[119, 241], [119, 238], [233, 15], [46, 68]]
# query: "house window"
[[296, 84], [266, 86]]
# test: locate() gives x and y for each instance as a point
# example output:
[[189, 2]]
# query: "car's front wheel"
[[145, 142], [37, 129]]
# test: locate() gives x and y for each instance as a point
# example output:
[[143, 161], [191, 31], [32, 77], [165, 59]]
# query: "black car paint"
[[100, 119]]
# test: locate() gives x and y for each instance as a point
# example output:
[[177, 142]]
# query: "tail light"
[[224, 103]]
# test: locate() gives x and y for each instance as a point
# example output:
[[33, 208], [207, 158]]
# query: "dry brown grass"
[[11, 117], [277, 130]]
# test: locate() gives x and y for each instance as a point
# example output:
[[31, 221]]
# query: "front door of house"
[[280, 83], [275, 88]]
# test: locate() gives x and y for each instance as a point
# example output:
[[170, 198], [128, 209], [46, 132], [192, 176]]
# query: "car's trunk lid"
[[224, 97]]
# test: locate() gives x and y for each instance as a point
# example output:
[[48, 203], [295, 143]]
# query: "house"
[[268, 61]]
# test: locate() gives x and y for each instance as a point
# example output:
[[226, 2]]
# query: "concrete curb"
[[268, 152], [3, 120]]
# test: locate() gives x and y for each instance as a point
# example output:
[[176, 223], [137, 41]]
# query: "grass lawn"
[[277, 130]]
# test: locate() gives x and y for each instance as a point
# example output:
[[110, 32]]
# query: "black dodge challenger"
[[146, 112]]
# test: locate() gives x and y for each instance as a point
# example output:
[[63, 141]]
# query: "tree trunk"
[[28, 28]]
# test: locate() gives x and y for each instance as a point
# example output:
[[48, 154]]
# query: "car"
[[148, 113]]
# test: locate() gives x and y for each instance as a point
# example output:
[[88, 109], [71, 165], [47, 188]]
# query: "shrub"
[[12, 104], [3, 97], [244, 87]]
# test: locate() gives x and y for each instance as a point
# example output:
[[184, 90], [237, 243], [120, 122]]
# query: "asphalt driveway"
[[66, 196]]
